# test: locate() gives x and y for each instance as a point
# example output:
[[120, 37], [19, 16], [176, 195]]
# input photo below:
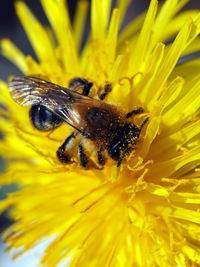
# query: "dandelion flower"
[[145, 212]]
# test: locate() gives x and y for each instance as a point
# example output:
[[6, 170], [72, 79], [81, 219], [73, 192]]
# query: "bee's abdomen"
[[43, 119]]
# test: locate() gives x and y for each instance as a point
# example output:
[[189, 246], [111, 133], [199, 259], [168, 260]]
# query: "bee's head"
[[123, 139]]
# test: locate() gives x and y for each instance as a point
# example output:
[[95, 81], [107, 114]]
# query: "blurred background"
[[10, 27]]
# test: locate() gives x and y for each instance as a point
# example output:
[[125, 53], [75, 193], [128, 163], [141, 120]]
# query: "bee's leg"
[[82, 156], [61, 152], [76, 83], [100, 158], [134, 112], [122, 156], [107, 89]]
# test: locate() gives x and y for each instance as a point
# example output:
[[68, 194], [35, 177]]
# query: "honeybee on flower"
[[101, 123], [142, 210]]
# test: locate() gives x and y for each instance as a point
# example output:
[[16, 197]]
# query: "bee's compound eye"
[[43, 119]]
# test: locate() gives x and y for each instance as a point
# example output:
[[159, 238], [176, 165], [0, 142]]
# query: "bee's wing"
[[65, 103], [29, 90]]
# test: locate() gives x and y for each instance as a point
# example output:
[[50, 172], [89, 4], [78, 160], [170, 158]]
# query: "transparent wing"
[[29, 90], [65, 103]]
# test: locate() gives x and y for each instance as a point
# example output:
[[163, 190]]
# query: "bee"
[[101, 123]]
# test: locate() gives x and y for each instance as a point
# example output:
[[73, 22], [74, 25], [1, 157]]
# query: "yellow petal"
[[130, 30], [100, 12], [123, 6], [113, 34], [170, 59], [183, 108], [141, 48], [58, 17], [36, 33], [167, 11], [10, 51], [79, 21]]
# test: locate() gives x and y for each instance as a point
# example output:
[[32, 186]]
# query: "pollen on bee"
[[103, 124]]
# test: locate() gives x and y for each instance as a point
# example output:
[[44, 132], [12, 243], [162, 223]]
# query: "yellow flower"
[[146, 212]]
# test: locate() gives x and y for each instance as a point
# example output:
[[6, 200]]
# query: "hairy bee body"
[[51, 105]]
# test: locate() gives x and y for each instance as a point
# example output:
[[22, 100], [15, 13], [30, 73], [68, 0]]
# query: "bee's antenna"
[[122, 156]]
